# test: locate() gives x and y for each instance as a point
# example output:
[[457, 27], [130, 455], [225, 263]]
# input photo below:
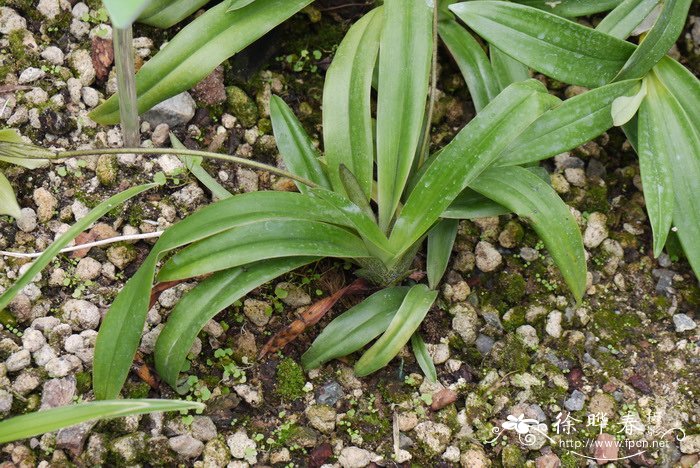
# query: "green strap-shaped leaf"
[[624, 19], [355, 328], [54, 249], [529, 196], [354, 192], [472, 62], [8, 201], [572, 8], [420, 350], [557, 47], [506, 69], [672, 135], [121, 328], [238, 4], [167, 13], [441, 238], [347, 114], [299, 153], [194, 165], [471, 205], [684, 86], [474, 149], [124, 12], [197, 50], [266, 238], [655, 152], [53, 419], [206, 300], [404, 69], [11, 135], [658, 40], [408, 318], [375, 240], [574, 122]]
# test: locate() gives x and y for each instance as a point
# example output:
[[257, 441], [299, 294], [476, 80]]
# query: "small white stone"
[[596, 230], [553, 326], [30, 75], [53, 55], [90, 96], [33, 340], [18, 361], [27, 221], [487, 257]]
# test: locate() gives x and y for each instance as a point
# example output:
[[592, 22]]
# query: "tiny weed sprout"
[[377, 195]]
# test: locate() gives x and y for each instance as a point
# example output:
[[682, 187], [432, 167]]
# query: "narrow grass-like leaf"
[[529, 196], [54, 249], [574, 122], [355, 328], [404, 69], [53, 419], [167, 13], [506, 69], [197, 50], [658, 40], [474, 148], [557, 47], [121, 328], [206, 300], [295, 146], [441, 238], [420, 351], [261, 240], [625, 18], [472, 62], [194, 165], [8, 201], [655, 152], [682, 141], [347, 114], [408, 318], [572, 8], [124, 12]]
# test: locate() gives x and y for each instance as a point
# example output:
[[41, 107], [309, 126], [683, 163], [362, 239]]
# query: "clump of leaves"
[[8, 201], [661, 118], [342, 211]]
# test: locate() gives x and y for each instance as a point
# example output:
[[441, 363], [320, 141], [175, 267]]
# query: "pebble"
[[242, 447], [553, 326], [683, 323], [33, 340], [186, 446], [487, 257], [36, 96], [528, 335], [465, 322], [81, 62], [605, 449], [61, 366], [330, 393], [575, 176], [321, 417], [26, 382], [549, 460], [178, 110], [46, 204], [160, 134], [170, 164], [53, 55], [27, 221], [49, 8], [248, 180], [5, 402], [58, 392], [439, 352], [88, 269], [90, 96], [691, 443], [31, 74], [293, 295], [354, 457], [203, 428], [434, 435], [596, 230], [575, 401], [11, 21], [18, 361], [474, 458], [257, 311], [484, 344], [82, 314]]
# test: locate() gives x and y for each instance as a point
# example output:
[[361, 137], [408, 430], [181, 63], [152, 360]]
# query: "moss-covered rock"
[[290, 380], [242, 106]]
